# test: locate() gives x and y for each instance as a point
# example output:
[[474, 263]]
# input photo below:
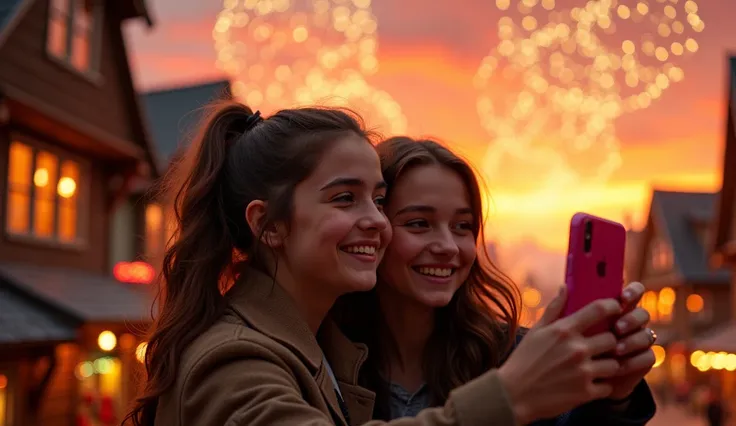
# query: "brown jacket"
[[261, 365]]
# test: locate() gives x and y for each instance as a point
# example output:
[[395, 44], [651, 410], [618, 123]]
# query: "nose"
[[444, 245], [373, 220]]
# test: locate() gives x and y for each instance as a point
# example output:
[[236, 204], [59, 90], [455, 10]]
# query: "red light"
[[134, 272]]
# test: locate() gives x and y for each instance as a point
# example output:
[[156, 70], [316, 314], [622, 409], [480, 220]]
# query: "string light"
[[285, 53], [550, 91]]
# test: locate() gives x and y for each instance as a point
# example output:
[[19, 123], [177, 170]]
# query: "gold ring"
[[652, 336]]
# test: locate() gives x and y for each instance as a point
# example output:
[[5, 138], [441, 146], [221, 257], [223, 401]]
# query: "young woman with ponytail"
[[277, 218]]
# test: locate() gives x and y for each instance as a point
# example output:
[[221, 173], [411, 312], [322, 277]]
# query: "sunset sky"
[[427, 59]]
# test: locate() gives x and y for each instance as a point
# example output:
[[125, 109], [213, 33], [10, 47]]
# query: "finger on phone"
[[601, 343], [632, 321], [631, 294], [637, 342], [592, 314], [642, 362]]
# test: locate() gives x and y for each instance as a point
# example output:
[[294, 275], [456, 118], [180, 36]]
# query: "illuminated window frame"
[[63, 13], [662, 257], [82, 189], [153, 244]]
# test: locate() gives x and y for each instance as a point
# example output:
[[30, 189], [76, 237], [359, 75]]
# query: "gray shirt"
[[405, 404]]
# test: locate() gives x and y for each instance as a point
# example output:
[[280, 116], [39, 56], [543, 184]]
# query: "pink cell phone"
[[595, 263]]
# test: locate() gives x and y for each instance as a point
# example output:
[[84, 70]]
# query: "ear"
[[255, 214]]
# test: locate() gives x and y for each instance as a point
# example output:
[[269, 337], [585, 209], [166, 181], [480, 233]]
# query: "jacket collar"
[[346, 359], [268, 308]]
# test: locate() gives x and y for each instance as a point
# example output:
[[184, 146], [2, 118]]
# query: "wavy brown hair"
[[229, 164], [471, 335]]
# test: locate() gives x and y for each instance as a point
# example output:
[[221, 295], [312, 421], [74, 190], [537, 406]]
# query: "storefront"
[[68, 353], [106, 377], [714, 356]]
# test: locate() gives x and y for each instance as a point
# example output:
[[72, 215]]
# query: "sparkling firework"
[[284, 53], [552, 88]]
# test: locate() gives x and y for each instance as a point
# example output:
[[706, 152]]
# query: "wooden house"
[[685, 296], [72, 140], [143, 223], [716, 351]]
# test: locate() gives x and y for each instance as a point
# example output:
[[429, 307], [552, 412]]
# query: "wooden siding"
[[100, 102]]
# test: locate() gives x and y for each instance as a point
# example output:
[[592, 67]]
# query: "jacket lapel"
[[330, 395], [346, 358], [266, 307]]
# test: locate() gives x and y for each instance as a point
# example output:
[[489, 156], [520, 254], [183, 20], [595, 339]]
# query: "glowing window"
[[154, 231], [71, 29], [43, 194]]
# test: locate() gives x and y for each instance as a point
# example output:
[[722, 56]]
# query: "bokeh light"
[[552, 88], [286, 53]]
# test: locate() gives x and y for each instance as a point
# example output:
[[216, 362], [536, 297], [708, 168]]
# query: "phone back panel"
[[597, 273]]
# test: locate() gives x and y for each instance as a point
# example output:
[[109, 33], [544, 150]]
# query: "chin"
[[436, 300], [360, 281]]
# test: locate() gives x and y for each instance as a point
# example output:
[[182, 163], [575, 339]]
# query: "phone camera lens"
[[588, 236]]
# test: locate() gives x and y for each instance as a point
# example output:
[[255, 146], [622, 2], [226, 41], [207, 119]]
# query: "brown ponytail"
[[230, 163]]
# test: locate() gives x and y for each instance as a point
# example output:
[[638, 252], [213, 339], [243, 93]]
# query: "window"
[[154, 231], [71, 29], [43, 196], [659, 304], [160, 226], [661, 256]]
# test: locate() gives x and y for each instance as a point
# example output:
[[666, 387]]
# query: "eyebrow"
[[430, 209], [350, 181]]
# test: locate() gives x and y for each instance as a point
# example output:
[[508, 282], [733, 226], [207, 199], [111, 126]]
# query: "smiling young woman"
[[429, 327]]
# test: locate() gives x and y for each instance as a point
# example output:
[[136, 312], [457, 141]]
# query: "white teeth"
[[437, 272], [360, 249]]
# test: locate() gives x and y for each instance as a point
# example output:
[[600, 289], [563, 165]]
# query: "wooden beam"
[[109, 141]]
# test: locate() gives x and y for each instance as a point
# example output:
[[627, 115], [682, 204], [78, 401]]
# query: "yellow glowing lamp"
[[667, 296], [107, 340], [659, 355], [66, 187], [694, 303], [41, 177], [695, 357]]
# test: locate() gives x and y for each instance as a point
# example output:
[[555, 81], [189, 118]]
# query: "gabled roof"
[[26, 320], [83, 296], [12, 10], [174, 113], [679, 213], [727, 200], [7, 11]]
